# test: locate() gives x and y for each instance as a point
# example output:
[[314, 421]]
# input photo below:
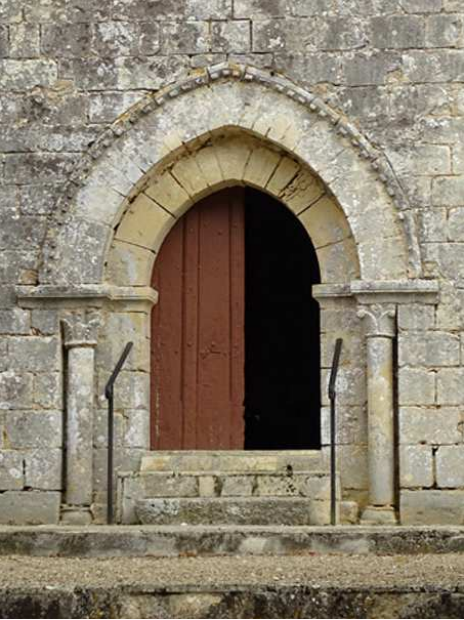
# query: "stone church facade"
[[117, 118]]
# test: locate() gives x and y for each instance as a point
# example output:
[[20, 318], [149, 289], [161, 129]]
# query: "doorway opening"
[[282, 342], [235, 335]]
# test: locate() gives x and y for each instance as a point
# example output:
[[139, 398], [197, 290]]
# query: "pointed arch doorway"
[[235, 352]]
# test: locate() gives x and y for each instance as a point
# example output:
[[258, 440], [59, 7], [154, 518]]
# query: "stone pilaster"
[[379, 321], [80, 338]]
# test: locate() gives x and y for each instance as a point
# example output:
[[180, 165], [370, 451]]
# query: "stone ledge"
[[388, 291], [164, 541], [86, 295]]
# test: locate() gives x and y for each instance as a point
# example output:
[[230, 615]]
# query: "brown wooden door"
[[198, 329]]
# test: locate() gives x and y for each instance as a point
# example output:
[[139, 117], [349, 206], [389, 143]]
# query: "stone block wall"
[[69, 68]]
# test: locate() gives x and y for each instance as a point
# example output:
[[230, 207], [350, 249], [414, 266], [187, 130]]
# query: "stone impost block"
[[448, 191], [128, 38], [15, 390], [398, 32], [283, 174], [416, 317], [207, 486], [232, 36], [20, 75], [450, 386], [168, 193], [232, 156], [33, 429], [43, 469], [450, 466], [188, 173], [237, 486], [145, 224], [416, 466], [416, 387], [15, 322], [48, 391], [45, 321], [260, 166], [432, 349], [432, 507], [418, 425], [130, 265], [208, 164], [169, 485], [444, 31], [29, 508], [191, 37], [34, 353], [11, 470], [137, 428], [326, 222]]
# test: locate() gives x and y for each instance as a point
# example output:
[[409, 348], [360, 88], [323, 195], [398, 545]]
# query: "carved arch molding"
[[289, 127]]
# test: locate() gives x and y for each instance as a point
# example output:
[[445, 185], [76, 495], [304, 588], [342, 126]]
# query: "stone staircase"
[[227, 488]]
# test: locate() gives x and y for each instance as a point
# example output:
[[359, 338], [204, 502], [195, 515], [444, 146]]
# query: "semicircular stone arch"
[[271, 127]]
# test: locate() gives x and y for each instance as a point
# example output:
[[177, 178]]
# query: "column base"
[[379, 515], [75, 515]]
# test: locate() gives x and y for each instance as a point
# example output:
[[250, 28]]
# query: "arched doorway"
[[235, 335]]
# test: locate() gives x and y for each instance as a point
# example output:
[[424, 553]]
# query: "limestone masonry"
[[117, 116]]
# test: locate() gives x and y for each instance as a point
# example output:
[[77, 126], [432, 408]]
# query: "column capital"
[[379, 319], [80, 328]]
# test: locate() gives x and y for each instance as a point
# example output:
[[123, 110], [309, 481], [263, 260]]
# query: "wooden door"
[[198, 329]]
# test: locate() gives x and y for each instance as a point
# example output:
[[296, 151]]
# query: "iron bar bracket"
[[332, 393], [109, 395]]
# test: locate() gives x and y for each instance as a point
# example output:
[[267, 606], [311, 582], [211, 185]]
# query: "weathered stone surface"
[[450, 386], [432, 506], [232, 37], [416, 317], [419, 425], [33, 429], [20, 75], [450, 461], [432, 349], [416, 466], [232, 511], [30, 508], [15, 389], [416, 387], [34, 353], [43, 469], [11, 470]]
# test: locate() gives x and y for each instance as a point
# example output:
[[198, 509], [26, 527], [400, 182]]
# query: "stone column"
[[80, 339], [380, 331]]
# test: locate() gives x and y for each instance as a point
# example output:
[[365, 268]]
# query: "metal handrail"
[[109, 395], [333, 430]]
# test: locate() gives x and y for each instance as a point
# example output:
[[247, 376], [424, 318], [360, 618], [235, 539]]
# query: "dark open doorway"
[[282, 347]]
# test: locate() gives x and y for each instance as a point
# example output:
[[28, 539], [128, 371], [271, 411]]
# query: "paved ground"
[[445, 570]]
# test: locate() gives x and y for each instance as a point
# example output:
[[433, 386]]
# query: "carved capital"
[[379, 319], [80, 329]]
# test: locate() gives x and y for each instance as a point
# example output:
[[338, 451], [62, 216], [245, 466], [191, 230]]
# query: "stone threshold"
[[181, 541]]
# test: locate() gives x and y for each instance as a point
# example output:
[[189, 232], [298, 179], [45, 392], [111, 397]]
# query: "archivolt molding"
[[229, 158], [69, 228]]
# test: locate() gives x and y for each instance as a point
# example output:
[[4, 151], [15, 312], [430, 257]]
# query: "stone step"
[[234, 461], [233, 511], [152, 484]]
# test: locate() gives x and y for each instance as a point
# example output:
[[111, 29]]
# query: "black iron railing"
[[333, 431], [109, 395]]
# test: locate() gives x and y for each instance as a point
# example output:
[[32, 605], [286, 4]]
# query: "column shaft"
[[79, 425]]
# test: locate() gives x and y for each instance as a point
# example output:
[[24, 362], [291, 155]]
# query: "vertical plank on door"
[[198, 329]]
